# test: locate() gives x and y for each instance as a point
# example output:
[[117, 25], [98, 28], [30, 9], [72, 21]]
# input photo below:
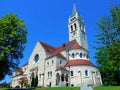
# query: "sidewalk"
[[86, 88]]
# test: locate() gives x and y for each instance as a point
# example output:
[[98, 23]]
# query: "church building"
[[66, 65]]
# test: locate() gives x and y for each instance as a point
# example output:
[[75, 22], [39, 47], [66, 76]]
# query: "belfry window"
[[71, 28], [75, 26]]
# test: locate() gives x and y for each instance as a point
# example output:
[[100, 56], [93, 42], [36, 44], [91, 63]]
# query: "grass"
[[3, 88], [59, 88], [52, 88], [107, 88]]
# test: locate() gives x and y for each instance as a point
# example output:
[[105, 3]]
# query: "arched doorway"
[[62, 77], [50, 84], [66, 79], [57, 79]]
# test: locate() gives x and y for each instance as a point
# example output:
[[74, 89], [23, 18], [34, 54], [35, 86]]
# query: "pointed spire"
[[74, 10]]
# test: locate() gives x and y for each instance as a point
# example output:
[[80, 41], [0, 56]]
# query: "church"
[[66, 65]]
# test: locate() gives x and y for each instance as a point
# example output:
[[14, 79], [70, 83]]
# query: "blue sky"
[[47, 20]]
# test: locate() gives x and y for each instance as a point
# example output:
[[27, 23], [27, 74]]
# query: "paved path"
[[86, 88]]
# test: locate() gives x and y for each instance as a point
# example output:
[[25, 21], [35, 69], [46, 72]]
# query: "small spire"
[[74, 10]]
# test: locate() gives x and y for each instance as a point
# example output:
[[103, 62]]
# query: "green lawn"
[[59, 88], [3, 88], [107, 88]]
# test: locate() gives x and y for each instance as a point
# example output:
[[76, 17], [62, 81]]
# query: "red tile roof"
[[48, 47], [57, 51], [56, 54], [65, 45], [61, 68], [78, 62], [76, 46]]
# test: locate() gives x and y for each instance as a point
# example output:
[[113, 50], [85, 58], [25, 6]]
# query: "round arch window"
[[36, 58]]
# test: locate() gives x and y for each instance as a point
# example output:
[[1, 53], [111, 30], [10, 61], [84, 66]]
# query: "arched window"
[[51, 74], [71, 28], [36, 58], [86, 72], [48, 74], [87, 56], [75, 26], [80, 55], [57, 79], [71, 73], [73, 55]]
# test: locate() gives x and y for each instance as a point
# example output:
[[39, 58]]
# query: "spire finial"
[[74, 10]]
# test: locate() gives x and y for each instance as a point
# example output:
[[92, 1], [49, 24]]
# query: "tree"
[[12, 43], [108, 49]]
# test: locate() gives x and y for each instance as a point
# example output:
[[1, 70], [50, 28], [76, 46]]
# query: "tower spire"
[[74, 9]]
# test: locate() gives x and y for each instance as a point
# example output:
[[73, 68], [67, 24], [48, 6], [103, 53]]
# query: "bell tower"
[[77, 30]]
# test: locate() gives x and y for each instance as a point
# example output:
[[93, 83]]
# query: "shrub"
[[17, 86]]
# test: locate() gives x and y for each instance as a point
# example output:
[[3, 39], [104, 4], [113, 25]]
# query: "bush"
[[28, 86], [17, 86]]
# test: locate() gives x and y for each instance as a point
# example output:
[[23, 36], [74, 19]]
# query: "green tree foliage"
[[12, 43], [108, 49]]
